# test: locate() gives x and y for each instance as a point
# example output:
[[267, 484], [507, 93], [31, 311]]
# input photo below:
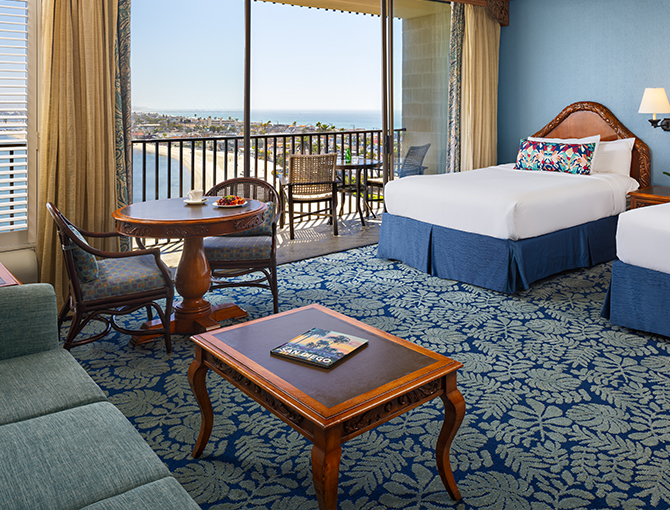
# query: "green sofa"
[[62, 443]]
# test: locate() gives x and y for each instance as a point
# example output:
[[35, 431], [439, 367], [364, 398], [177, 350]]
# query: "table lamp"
[[655, 101]]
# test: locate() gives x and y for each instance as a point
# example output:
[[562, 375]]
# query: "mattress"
[[505, 203], [643, 237]]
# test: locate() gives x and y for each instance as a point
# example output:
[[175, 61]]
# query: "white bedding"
[[643, 237], [505, 203]]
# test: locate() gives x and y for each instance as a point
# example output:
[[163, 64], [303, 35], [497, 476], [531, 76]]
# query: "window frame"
[[26, 238]]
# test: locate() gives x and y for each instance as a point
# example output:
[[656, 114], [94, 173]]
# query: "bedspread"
[[505, 203]]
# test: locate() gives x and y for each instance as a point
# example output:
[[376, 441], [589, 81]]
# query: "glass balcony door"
[[415, 83]]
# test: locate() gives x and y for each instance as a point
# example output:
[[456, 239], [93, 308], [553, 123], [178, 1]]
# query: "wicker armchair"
[[412, 164], [250, 251], [110, 284], [311, 179]]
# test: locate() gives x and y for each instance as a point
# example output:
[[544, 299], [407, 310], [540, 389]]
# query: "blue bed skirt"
[[497, 264], [638, 298]]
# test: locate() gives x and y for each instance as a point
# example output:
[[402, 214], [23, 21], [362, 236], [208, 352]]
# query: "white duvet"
[[643, 237], [505, 203]]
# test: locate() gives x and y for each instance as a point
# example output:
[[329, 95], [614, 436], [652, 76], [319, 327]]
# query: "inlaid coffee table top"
[[388, 365]]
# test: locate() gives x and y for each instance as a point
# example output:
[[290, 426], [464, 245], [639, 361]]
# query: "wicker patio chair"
[[250, 251], [412, 164], [311, 179], [110, 284]]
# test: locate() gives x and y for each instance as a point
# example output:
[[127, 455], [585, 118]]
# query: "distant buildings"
[[157, 125]]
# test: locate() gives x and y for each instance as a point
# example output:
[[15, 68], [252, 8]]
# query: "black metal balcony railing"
[[170, 167]]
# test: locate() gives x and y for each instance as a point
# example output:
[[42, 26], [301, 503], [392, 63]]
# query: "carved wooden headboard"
[[587, 118]]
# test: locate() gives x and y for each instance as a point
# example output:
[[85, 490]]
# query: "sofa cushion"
[[167, 491], [73, 458], [28, 319], [43, 383]]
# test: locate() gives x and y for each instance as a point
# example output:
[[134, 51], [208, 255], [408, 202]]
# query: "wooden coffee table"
[[328, 406]]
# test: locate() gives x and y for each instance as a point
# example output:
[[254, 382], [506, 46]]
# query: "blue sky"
[[190, 55]]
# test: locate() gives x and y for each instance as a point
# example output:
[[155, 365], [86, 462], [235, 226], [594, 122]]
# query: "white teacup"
[[195, 195]]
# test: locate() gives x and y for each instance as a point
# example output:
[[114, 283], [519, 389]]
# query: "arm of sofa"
[[29, 320]]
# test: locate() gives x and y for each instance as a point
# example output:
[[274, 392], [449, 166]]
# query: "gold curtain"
[[479, 107], [77, 148]]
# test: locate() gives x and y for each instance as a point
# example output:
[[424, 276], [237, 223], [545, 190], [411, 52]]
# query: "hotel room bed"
[[501, 228], [638, 296]]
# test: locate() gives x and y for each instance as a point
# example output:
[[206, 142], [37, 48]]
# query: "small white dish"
[[203, 200]]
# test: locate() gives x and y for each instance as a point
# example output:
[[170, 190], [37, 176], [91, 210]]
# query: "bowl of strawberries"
[[230, 201]]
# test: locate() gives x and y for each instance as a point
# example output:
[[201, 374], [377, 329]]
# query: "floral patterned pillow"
[[555, 157]]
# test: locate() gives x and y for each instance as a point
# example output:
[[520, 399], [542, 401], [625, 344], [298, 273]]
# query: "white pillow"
[[588, 139], [613, 157]]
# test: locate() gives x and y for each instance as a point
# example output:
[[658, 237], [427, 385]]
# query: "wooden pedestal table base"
[[171, 218], [193, 314], [382, 381]]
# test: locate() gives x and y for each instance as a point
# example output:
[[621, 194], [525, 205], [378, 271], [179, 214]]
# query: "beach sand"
[[223, 172]]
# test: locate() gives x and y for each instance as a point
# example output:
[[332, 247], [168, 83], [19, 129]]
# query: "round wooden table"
[[172, 218]]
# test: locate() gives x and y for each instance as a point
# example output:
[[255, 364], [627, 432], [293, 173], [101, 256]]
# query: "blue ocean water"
[[358, 119], [175, 189]]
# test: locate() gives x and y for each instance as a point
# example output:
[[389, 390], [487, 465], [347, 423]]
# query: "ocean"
[[358, 119]]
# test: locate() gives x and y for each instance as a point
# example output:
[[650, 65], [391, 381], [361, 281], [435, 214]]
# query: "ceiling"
[[401, 8]]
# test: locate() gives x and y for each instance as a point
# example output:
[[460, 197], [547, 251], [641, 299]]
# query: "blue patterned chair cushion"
[[265, 229], [230, 248], [85, 263], [117, 277]]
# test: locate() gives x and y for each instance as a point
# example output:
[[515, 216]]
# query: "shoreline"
[[209, 164]]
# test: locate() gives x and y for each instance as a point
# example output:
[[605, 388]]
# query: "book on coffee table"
[[320, 347]]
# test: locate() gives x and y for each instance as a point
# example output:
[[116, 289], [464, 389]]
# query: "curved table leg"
[[326, 454], [454, 412], [197, 374]]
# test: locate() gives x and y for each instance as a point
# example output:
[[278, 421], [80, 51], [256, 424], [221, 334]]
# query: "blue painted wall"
[[557, 52]]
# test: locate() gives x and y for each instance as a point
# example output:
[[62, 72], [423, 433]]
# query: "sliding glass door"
[[415, 38]]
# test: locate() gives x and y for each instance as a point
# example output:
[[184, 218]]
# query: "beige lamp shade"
[[654, 100]]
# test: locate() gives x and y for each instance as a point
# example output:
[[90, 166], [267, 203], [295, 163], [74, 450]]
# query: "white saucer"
[[196, 202]]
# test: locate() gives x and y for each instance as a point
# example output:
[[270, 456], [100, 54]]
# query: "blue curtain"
[[454, 99], [122, 113]]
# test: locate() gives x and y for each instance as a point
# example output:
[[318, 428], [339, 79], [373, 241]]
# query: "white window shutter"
[[13, 115]]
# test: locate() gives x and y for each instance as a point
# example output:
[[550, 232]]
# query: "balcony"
[[169, 167]]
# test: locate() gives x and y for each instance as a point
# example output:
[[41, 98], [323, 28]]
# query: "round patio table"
[[347, 184], [172, 218]]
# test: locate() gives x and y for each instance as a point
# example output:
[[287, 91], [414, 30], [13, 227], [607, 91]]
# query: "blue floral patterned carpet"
[[563, 410]]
